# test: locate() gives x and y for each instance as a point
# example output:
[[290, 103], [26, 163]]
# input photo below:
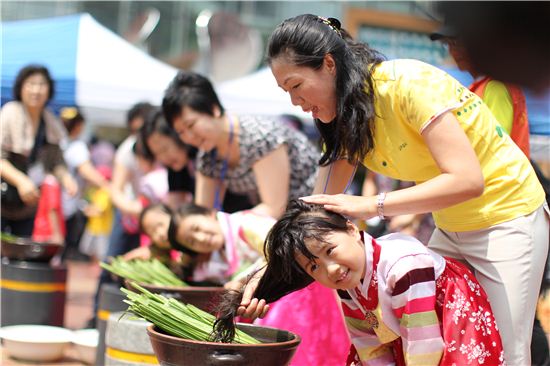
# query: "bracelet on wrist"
[[380, 205]]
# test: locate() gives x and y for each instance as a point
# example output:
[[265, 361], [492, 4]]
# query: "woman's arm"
[[91, 175], [25, 187], [121, 176], [272, 174], [205, 190], [461, 178], [66, 179]]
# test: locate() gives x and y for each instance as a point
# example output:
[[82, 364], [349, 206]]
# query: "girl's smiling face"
[[155, 224], [340, 262], [200, 233], [314, 90]]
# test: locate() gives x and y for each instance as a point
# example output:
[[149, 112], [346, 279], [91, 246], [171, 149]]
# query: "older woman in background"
[[27, 127]]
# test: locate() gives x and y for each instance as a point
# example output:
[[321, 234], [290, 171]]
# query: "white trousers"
[[508, 260]]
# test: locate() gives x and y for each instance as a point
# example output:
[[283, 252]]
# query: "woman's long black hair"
[[283, 274], [305, 40]]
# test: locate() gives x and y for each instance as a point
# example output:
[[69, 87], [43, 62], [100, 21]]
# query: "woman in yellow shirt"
[[411, 121]]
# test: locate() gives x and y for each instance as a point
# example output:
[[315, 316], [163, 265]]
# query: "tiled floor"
[[81, 287]]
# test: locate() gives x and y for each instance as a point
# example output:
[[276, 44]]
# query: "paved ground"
[[82, 281]]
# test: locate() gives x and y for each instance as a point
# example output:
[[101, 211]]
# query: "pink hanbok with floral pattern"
[[415, 307]]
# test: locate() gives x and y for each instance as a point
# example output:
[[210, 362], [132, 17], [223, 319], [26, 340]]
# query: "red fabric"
[[520, 124], [465, 335], [50, 200]]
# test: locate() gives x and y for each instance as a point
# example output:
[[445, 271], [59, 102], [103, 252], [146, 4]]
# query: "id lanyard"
[[349, 181], [225, 165]]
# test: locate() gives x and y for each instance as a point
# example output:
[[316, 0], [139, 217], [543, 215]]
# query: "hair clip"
[[333, 23], [68, 112]]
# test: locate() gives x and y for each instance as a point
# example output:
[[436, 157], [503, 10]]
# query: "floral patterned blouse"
[[259, 136]]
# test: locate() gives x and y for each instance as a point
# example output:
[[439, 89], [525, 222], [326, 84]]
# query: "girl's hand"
[[252, 307], [255, 309], [357, 207], [27, 191]]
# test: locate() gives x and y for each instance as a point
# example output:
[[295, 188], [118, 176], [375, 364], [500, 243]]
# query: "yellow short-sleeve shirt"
[[409, 95]]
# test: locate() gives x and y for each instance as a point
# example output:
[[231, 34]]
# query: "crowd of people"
[[252, 204]]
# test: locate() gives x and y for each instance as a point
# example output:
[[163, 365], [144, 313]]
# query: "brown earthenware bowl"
[[24, 249], [277, 348]]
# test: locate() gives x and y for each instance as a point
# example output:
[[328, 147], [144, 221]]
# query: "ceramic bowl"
[[38, 343], [85, 342]]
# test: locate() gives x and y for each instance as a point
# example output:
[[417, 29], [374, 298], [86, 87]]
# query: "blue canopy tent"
[[92, 67]]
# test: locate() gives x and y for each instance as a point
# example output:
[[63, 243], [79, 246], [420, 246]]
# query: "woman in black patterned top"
[[252, 155]]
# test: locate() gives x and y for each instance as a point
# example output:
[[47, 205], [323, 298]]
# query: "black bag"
[[10, 195]]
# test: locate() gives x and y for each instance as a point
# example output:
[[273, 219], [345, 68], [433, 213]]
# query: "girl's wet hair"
[[183, 211], [305, 40], [283, 274]]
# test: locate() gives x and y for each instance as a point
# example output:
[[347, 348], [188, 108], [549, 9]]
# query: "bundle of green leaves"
[[150, 271], [175, 318]]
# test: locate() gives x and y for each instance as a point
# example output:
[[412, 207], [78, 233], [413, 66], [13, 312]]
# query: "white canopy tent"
[[257, 93]]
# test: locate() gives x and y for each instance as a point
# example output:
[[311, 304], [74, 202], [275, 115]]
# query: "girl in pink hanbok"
[[403, 303]]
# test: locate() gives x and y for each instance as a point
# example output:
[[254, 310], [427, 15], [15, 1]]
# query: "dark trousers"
[[540, 353], [75, 225]]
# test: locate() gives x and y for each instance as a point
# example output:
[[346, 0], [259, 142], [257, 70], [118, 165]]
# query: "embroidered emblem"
[[371, 320]]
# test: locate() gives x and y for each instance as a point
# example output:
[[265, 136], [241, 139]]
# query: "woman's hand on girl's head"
[[357, 207]]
